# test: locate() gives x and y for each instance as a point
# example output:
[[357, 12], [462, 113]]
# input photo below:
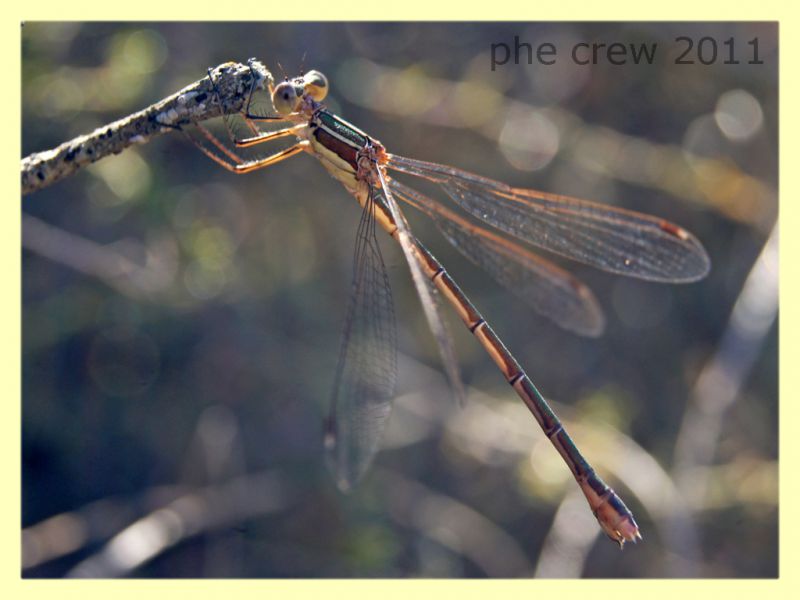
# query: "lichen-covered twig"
[[196, 102]]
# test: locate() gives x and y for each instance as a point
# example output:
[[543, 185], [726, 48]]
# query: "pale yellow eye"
[[315, 85], [284, 98]]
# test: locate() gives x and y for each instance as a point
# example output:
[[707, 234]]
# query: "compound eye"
[[284, 98], [315, 85]]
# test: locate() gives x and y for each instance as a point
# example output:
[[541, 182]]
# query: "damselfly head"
[[285, 97], [315, 85]]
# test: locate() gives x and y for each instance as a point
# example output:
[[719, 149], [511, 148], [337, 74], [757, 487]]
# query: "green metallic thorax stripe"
[[342, 129]]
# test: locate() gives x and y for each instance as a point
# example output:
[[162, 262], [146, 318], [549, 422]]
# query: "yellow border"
[[14, 587]]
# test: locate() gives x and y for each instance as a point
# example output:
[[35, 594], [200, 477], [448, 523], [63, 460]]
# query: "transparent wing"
[[367, 370], [612, 239], [546, 288], [425, 290]]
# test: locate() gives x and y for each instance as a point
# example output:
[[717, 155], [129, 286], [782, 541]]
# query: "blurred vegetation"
[[217, 364]]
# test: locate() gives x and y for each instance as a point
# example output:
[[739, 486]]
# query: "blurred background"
[[172, 409]]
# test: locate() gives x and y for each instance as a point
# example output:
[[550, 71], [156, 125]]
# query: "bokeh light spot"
[[125, 174], [738, 115], [144, 51], [529, 141]]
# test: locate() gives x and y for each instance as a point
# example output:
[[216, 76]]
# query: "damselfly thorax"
[[348, 154]]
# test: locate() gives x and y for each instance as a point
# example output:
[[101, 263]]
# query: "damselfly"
[[612, 239]]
